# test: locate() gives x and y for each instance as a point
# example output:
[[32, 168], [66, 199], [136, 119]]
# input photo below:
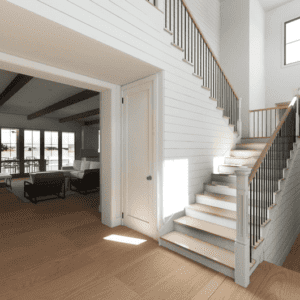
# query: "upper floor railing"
[[188, 37], [263, 122]]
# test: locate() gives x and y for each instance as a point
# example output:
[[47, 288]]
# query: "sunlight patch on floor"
[[124, 239]]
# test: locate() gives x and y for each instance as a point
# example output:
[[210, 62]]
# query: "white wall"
[[285, 222], [18, 121], [281, 81], [195, 131], [235, 52], [207, 15], [257, 56]]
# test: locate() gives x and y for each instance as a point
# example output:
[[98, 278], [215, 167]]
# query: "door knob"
[[149, 178]]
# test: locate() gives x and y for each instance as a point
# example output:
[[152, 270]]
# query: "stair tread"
[[212, 252], [222, 183], [215, 253], [221, 197], [229, 214], [209, 227]]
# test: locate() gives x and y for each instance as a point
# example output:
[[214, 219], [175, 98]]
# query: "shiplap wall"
[[285, 221], [208, 16], [195, 131]]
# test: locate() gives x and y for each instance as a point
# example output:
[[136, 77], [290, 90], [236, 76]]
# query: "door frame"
[[157, 146]]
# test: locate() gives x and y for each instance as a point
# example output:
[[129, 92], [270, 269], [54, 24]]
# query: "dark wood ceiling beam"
[[84, 95], [92, 122], [86, 114], [17, 83]]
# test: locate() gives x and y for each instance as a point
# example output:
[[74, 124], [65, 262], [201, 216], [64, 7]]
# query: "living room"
[[46, 127]]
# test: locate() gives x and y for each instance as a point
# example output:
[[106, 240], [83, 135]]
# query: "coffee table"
[[7, 178]]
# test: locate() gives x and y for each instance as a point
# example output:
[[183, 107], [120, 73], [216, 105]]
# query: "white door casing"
[[138, 152]]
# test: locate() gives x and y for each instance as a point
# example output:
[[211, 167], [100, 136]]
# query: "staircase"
[[207, 232]]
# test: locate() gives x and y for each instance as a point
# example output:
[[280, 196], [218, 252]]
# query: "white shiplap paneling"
[[195, 131]]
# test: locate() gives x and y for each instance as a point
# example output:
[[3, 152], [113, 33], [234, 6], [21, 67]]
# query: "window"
[[292, 41], [32, 144], [68, 148], [51, 150], [10, 151], [99, 141]]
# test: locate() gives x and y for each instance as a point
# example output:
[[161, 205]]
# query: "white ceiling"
[[271, 4], [30, 36]]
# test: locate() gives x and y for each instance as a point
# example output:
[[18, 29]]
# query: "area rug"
[[18, 190]]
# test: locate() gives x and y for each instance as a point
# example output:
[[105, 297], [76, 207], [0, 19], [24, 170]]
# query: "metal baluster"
[[170, 14], [201, 56], [174, 24], [181, 25], [177, 22], [198, 54], [192, 54], [260, 196], [188, 38], [166, 13]]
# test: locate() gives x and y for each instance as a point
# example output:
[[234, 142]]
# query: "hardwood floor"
[[55, 250]]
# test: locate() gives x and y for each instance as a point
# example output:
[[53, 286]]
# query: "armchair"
[[89, 180]]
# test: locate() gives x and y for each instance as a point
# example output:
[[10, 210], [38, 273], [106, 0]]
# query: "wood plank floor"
[[55, 250]]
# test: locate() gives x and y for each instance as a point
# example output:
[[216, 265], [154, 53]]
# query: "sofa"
[[79, 166], [44, 184], [89, 181]]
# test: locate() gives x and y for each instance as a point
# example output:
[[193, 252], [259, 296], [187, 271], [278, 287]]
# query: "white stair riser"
[[225, 205], [210, 218], [245, 153], [216, 203], [240, 161], [250, 147], [205, 236], [198, 258], [228, 170], [218, 189], [222, 178]]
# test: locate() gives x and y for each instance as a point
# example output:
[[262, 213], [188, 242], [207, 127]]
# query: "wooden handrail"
[[213, 55], [269, 143], [269, 108]]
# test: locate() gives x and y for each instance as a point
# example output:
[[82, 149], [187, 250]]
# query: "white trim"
[[158, 125], [111, 200]]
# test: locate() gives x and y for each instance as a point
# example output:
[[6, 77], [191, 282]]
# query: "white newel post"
[[242, 241]]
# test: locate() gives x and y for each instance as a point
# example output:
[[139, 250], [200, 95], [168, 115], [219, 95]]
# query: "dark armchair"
[[44, 184], [90, 180]]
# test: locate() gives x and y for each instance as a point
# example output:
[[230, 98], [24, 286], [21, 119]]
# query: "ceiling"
[[38, 94], [27, 35], [271, 4]]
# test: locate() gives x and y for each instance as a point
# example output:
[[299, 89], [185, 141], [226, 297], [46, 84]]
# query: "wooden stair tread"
[[221, 212], [220, 255], [221, 197], [212, 252], [209, 227]]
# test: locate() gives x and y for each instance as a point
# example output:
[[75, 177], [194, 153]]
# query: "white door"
[[138, 204]]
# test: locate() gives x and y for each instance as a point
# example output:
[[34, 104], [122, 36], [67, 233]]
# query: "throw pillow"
[[77, 165], [95, 165]]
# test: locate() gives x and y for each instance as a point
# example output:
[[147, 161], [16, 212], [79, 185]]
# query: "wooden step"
[[221, 231], [240, 161], [221, 197], [223, 177], [212, 252], [216, 211]]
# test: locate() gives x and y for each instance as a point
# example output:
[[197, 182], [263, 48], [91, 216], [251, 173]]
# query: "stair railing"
[[261, 187], [263, 122], [188, 37]]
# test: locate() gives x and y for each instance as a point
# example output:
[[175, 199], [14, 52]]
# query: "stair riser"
[[210, 218], [205, 236], [228, 170], [220, 190], [222, 178], [250, 147], [216, 203], [245, 153], [240, 161], [198, 258]]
